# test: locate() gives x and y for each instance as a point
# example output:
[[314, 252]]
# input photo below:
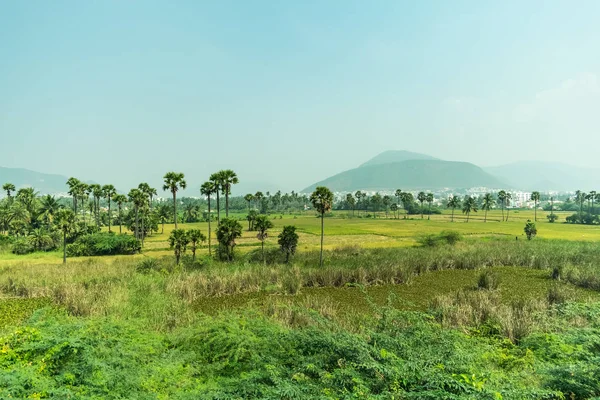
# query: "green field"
[[386, 317]]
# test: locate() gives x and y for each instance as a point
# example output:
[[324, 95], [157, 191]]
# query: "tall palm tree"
[[82, 192], [580, 198], [65, 220], [173, 181], [502, 199], [138, 199], [535, 197], [398, 195], [109, 192], [96, 191], [597, 199], [421, 197], [164, 213], [249, 197], [407, 200], [8, 188], [322, 201], [120, 199], [217, 180], [228, 178], [72, 183], [258, 196], [592, 197], [358, 195], [207, 189], [149, 191], [453, 202], [469, 206], [487, 204], [507, 201], [28, 197], [429, 198], [351, 202]]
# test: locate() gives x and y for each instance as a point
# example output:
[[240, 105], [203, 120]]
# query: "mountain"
[[43, 183], [394, 156], [546, 176], [410, 175]]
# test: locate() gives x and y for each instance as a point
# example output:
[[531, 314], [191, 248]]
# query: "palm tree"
[[8, 188], [351, 202], [178, 241], [217, 181], [394, 208], [190, 212], [207, 189], [407, 200], [429, 198], [502, 199], [535, 197], [228, 231], [597, 199], [72, 183], [398, 195], [120, 199], [249, 197], [322, 201], [421, 197], [173, 181], [82, 192], [453, 202], [580, 198], [109, 192], [487, 204], [65, 220], [258, 196], [469, 205], [163, 212], [138, 199], [358, 195], [387, 201], [591, 197], [228, 178], [507, 200], [96, 191], [48, 207], [195, 236], [262, 225]]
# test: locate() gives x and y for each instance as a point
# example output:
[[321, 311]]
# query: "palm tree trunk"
[[468, 215], [429, 215], [452, 218], [209, 218], [262, 244], [175, 209], [120, 220], [143, 230], [218, 208], [502, 210], [227, 202], [322, 232], [137, 221], [64, 247], [109, 214], [507, 211], [535, 211]]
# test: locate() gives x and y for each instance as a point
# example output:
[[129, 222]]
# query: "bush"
[[448, 237], [22, 246], [552, 217], [103, 244], [557, 295], [148, 264], [488, 280]]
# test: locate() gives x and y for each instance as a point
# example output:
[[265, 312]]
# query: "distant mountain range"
[[390, 170], [413, 171], [43, 183]]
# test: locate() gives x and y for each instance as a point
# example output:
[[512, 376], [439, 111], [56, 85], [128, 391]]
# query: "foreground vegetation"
[[465, 318]]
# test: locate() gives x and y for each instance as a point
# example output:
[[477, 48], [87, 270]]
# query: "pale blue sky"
[[292, 92]]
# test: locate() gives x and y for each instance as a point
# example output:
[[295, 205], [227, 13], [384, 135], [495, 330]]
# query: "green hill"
[[410, 175], [394, 156]]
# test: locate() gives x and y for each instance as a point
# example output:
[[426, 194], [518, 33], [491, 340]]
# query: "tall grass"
[[162, 292]]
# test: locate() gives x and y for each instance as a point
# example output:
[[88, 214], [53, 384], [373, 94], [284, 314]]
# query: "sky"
[[287, 93]]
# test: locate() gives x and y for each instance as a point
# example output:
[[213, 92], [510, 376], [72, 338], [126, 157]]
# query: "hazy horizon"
[[287, 94]]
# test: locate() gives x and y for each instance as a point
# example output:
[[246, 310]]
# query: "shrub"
[[148, 264], [557, 295], [488, 280], [22, 246], [530, 230], [557, 272], [552, 217], [103, 244], [450, 237]]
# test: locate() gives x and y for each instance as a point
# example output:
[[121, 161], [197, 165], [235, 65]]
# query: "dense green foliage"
[[103, 244]]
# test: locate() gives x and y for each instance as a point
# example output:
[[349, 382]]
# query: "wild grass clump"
[[485, 312], [147, 265], [488, 280], [557, 295]]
